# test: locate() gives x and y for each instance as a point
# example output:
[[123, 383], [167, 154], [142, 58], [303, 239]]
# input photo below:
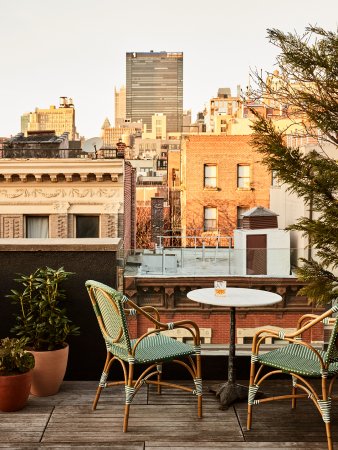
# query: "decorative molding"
[[61, 207], [112, 207], [63, 193]]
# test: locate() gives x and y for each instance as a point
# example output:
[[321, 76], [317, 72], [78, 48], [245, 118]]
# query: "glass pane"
[[87, 226], [210, 171], [243, 171], [37, 226], [244, 182], [210, 213]]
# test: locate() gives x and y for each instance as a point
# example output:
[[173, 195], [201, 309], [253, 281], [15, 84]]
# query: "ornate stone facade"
[[62, 189]]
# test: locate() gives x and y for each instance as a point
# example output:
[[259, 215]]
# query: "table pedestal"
[[230, 391]]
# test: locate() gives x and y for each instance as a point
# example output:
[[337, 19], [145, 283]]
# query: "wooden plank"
[[234, 445], [171, 416]]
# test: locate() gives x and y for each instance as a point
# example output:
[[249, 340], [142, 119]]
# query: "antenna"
[[92, 145]]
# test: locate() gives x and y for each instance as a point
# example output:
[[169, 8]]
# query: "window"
[[210, 176], [87, 226], [37, 226], [240, 211], [210, 219], [243, 176], [275, 181]]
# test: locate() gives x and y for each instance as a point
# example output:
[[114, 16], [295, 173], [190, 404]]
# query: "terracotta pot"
[[14, 391], [49, 371]]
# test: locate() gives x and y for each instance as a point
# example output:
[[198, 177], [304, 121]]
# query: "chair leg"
[[200, 387], [103, 380], [159, 377], [328, 436], [129, 396], [251, 394], [294, 392], [325, 408]]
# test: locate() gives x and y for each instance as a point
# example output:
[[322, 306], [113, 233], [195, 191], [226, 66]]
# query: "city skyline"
[[77, 49]]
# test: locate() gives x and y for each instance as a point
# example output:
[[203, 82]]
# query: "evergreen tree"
[[308, 95]]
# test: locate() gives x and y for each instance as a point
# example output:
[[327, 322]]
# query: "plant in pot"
[[43, 322], [15, 374]]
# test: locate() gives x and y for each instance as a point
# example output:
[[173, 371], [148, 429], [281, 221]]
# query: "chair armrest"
[[163, 326], [306, 318], [311, 320], [257, 342], [149, 309]]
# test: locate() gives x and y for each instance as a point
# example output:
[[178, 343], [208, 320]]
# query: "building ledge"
[[61, 245]]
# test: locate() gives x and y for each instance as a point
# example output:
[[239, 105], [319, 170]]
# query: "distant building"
[[155, 85], [158, 127], [56, 120], [120, 105], [126, 132], [221, 109], [221, 177], [68, 198]]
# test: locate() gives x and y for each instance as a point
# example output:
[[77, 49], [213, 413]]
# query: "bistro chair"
[[302, 362], [152, 348]]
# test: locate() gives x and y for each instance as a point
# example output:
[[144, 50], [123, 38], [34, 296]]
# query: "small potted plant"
[[15, 374], [43, 322]]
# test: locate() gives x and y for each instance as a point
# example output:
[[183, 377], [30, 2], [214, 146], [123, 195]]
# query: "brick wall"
[[169, 296], [226, 152]]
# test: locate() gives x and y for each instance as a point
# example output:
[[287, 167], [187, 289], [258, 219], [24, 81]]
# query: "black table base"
[[229, 393]]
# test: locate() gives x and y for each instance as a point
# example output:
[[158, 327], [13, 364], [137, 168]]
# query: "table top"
[[235, 297]]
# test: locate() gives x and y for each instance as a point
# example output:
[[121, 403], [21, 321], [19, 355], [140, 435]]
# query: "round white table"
[[230, 391]]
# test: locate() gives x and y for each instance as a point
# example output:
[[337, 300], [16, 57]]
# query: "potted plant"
[[42, 320], [15, 374]]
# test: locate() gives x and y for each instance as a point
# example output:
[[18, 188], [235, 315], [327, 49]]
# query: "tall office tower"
[[58, 120], [120, 105], [155, 85]]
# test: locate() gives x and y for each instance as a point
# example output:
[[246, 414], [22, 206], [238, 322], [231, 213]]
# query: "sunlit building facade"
[[58, 120]]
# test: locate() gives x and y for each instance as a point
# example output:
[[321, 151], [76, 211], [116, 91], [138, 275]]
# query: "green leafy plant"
[[14, 358], [42, 319]]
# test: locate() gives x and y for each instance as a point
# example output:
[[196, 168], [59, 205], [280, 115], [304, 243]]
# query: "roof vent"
[[258, 218]]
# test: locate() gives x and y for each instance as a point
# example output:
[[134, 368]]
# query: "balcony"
[[168, 421]]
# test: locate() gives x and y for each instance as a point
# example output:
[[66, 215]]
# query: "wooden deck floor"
[[168, 421]]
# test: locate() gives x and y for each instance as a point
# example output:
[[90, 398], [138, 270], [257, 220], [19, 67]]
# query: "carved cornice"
[[82, 192]]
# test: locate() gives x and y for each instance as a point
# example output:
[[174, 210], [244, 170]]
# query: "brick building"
[[221, 178]]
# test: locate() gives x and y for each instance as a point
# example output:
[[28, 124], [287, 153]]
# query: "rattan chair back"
[[332, 348], [108, 307]]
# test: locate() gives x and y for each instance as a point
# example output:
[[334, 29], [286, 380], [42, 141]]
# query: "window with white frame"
[[210, 219], [210, 176], [243, 176], [87, 226], [37, 226]]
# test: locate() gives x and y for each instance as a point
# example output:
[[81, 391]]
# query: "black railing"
[[25, 153]]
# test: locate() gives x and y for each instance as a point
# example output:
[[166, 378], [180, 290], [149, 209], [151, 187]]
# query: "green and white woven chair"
[[301, 361], [152, 348]]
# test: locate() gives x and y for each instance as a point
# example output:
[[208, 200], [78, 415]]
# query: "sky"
[[76, 48]]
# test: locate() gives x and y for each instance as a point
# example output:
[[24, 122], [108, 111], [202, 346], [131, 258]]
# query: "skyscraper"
[[154, 84], [120, 105]]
